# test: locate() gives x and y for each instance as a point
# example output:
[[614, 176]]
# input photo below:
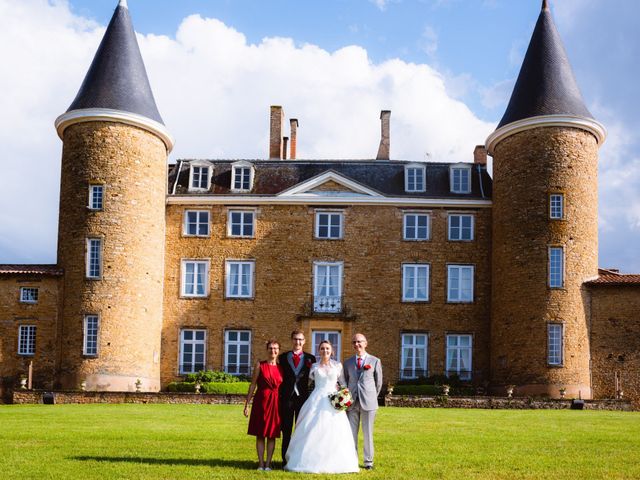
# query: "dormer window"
[[414, 178], [460, 179], [199, 178], [241, 177]]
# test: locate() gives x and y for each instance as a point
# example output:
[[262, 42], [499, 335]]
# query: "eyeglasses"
[[298, 339], [357, 341]]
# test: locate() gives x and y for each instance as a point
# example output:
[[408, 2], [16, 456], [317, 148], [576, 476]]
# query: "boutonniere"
[[308, 363], [366, 367]]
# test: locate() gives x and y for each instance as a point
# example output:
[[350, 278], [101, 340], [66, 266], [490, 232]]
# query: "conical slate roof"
[[546, 84], [117, 78]]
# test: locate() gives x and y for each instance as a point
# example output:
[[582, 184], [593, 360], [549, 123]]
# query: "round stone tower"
[[112, 221], [545, 226]]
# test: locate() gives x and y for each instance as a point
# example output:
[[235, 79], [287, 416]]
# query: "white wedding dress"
[[322, 441]]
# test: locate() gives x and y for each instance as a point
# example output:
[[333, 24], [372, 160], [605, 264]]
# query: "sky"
[[445, 69]]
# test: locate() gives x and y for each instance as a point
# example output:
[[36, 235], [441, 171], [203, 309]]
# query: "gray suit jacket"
[[365, 384]]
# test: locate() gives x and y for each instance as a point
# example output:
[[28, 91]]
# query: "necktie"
[[359, 363], [296, 359]]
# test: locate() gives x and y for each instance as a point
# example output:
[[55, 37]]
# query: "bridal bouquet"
[[341, 400]]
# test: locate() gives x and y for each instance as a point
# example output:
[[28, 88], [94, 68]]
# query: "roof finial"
[[123, 3], [545, 5]]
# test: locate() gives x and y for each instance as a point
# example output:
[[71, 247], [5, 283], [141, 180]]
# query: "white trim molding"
[[110, 115], [588, 124], [304, 187]]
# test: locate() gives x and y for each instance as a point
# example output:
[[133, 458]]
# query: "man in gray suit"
[[363, 375]]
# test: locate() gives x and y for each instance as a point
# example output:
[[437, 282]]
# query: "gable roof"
[[32, 269]]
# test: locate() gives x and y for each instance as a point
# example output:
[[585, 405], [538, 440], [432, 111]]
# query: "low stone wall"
[[40, 396], [517, 403]]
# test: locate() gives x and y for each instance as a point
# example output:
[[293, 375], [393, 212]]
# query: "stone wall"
[[516, 403], [39, 396], [615, 340]]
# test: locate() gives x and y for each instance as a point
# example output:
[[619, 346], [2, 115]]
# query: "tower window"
[[460, 178], [556, 267], [90, 340], [196, 223], [94, 258], [28, 295], [96, 193], [460, 227], [27, 340], [554, 343], [199, 178], [414, 178], [556, 206]]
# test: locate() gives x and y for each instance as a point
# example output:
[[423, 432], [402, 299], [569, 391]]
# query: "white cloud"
[[429, 41], [213, 90], [381, 4]]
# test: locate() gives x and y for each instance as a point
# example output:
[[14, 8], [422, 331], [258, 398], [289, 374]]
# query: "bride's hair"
[[327, 342]]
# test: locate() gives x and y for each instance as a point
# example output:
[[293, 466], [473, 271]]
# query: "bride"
[[322, 441]]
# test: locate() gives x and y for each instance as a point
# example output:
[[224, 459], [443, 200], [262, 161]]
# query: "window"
[[94, 258], [242, 177], [554, 341], [415, 282], [460, 179], [237, 352], [193, 348], [26, 340], [414, 179], [95, 197], [196, 223], [460, 227], [90, 334], [327, 287], [556, 206], [416, 226], [239, 279], [459, 356], [329, 225], [195, 278], [460, 283], [28, 294], [240, 223], [414, 355], [556, 267], [199, 178], [334, 337]]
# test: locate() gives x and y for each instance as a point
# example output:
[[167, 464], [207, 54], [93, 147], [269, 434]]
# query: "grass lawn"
[[202, 441]]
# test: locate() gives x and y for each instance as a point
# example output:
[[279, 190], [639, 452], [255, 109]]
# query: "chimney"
[[275, 136], [285, 141], [383, 151], [480, 155], [293, 144]]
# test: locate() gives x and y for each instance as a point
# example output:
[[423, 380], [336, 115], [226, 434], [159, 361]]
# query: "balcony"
[[331, 304]]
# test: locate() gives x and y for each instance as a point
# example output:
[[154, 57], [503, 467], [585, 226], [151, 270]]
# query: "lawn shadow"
[[204, 462]]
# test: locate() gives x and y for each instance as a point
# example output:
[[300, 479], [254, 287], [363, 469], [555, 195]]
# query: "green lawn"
[[201, 441]]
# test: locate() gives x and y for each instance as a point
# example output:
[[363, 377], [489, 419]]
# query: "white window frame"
[[318, 336], [452, 178], [414, 188], [200, 166], [236, 369], [237, 169], [555, 270], [26, 298], [555, 352], [90, 334], [241, 266], [243, 213], [450, 236], [405, 227], [194, 342], [451, 298], [93, 261], [556, 206], [27, 340], [330, 215], [93, 203], [198, 223], [457, 350], [327, 303], [183, 277], [409, 350], [415, 268]]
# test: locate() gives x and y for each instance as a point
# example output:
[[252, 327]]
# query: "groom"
[[363, 374], [294, 389]]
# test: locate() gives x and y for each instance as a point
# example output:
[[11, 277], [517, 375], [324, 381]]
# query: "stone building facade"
[[447, 271]]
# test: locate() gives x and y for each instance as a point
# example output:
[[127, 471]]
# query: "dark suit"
[[294, 391]]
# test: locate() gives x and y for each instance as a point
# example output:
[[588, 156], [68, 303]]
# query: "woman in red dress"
[[265, 419]]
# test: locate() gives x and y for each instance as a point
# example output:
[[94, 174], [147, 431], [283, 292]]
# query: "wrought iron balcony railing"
[[327, 304]]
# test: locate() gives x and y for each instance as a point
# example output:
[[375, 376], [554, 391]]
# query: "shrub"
[[220, 388], [417, 390], [207, 376]]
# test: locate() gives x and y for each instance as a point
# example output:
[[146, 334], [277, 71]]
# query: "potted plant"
[[445, 389], [510, 389], [198, 387]]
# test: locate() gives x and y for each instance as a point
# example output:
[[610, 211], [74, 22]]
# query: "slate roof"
[[385, 176], [117, 78], [33, 269], [546, 84], [614, 278]]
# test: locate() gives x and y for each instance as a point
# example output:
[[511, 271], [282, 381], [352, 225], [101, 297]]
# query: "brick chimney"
[[285, 141], [480, 155], [275, 136], [383, 150], [293, 138]]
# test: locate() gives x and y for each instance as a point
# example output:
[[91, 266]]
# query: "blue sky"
[[444, 67]]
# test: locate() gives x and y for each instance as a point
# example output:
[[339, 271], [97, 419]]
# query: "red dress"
[[265, 419]]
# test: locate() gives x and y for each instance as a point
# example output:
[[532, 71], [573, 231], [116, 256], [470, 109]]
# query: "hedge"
[[220, 388]]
